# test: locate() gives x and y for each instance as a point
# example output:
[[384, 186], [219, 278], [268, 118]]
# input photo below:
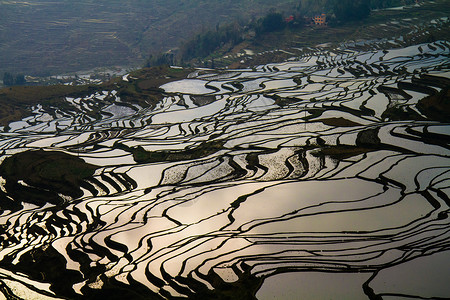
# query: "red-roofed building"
[[289, 19]]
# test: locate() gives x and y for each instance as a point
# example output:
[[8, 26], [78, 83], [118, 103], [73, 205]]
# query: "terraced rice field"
[[318, 177]]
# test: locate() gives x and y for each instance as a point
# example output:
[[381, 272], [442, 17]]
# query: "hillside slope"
[[49, 37]]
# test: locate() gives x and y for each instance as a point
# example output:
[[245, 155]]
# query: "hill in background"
[[53, 36]]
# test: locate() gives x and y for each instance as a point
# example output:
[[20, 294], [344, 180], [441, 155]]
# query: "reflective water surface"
[[289, 179]]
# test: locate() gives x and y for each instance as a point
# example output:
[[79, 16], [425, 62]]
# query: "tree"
[[20, 79], [163, 59], [207, 42], [8, 79], [271, 22], [350, 10]]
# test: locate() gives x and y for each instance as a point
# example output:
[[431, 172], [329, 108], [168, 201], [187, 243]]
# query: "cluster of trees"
[[314, 7], [206, 43], [230, 35], [351, 10], [374, 4], [273, 21], [10, 79], [201, 45], [167, 58], [338, 11]]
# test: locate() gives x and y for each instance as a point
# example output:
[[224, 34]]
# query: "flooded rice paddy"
[[316, 178]]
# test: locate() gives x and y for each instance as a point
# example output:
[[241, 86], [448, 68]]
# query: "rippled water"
[[314, 191]]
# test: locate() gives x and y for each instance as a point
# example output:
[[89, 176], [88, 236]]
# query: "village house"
[[320, 20]]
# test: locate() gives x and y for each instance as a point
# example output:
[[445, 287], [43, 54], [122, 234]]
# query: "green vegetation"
[[292, 28], [9, 79], [311, 7], [16, 101], [271, 22], [143, 90], [437, 107], [341, 152], [212, 47], [53, 37], [339, 122], [48, 37], [389, 3], [205, 44], [350, 10], [140, 155], [41, 177], [228, 36], [314, 7]]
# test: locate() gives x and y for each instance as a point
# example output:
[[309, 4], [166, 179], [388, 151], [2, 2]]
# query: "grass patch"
[[342, 152], [140, 155], [339, 122]]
